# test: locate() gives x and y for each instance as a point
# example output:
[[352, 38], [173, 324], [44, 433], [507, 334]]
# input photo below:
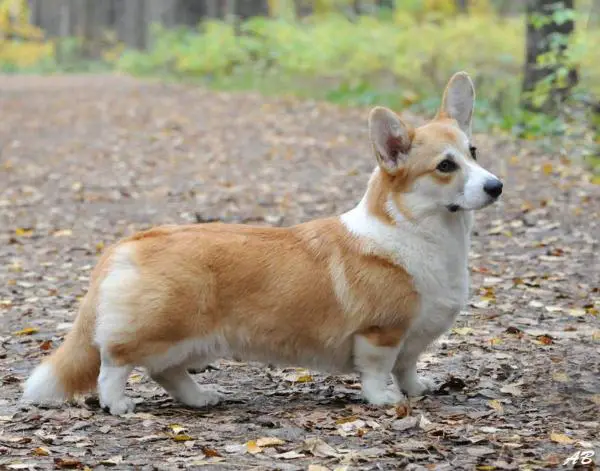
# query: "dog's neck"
[[378, 218]]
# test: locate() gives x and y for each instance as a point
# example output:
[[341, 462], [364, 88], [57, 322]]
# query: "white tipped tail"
[[43, 386], [71, 369]]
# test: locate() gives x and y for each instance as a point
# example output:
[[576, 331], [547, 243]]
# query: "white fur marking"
[[375, 364], [111, 388], [43, 387], [113, 300]]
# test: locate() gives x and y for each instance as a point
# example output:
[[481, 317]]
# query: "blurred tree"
[[548, 77]]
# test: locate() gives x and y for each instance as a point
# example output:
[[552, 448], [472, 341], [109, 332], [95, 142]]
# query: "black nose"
[[493, 187]]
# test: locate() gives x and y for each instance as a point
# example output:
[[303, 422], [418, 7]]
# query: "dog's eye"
[[473, 151], [447, 166]]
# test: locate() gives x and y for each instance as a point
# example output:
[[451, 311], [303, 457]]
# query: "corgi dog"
[[363, 292]]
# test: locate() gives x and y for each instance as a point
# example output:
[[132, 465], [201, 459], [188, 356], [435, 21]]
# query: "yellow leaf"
[[41, 451], [561, 438], [495, 341], [496, 405], [27, 331], [23, 232], [269, 441], [304, 379], [547, 168], [485, 467], [181, 438], [252, 447]]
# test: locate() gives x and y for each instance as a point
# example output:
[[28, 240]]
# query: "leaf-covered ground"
[[86, 160]]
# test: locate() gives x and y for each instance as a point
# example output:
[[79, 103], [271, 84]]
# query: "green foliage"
[[402, 62]]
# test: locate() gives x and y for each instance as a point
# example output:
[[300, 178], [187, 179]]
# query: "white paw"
[[204, 398], [418, 385], [383, 396], [121, 406]]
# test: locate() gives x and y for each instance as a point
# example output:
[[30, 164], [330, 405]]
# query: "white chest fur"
[[433, 251]]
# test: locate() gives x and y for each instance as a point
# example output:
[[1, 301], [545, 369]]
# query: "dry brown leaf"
[[318, 448], [41, 451], [513, 389], [210, 452], [67, 463], [269, 441], [561, 438], [496, 405]]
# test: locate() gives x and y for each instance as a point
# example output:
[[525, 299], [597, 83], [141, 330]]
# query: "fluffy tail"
[[73, 368]]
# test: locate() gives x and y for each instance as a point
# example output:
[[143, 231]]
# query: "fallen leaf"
[[23, 232], [67, 462], [560, 377], [112, 461], [181, 438], [63, 233], [402, 410], [46, 345], [41, 451], [479, 451], [290, 455], [317, 467], [462, 330], [561, 438], [252, 447], [318, 448], [513, 389], [210, 452], [269, 441], [177, 429], [426, 424], [544, 339], [304, 379], [404, 424], [26, 331], [547, 168], [496, 405]]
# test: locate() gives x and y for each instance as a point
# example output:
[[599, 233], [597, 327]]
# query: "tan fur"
[[427, 141], [286, 293], [300, 288]]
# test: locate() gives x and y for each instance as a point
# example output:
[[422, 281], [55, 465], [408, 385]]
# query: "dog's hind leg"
[[181, 386], [111, 386]]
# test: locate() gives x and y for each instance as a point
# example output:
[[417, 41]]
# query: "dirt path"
[[87, 160]]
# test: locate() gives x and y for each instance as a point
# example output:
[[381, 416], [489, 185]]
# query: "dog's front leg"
[[404, 372], [375, 362]]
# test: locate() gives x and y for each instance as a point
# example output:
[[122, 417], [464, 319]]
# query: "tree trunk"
[[546, 85], [462, 6], [389, 4], [250, 8]]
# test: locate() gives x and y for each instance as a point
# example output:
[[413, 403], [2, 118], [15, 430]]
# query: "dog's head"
[[433, 167]]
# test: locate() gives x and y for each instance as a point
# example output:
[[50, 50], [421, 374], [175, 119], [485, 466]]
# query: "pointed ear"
[[458, 101], [391, 139]]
